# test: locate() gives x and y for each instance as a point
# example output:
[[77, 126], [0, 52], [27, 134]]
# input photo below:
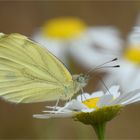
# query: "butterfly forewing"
[[29, 72]]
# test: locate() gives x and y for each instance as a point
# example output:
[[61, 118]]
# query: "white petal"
[[83, 96], [56, 115], [71, 106], [75, 105], [133, 99], [97, 94], [52, 107], [114, 91], [123, 98], [42, 116], [105, 100], [88, 110], [49, 111]]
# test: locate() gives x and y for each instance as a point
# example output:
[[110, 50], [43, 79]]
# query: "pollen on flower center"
[[91, 103]]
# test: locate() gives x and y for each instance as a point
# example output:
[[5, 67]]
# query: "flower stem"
[[100, 130]]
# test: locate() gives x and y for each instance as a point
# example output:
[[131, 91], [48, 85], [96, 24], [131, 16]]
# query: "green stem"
[[100, 130]]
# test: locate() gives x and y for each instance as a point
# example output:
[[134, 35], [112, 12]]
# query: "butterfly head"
[[81, 79]]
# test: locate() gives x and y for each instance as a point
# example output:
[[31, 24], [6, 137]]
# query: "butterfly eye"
[[80, 79]]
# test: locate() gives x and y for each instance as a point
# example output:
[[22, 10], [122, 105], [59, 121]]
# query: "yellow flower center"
[[91, 103], [63, 28], [133, 54]]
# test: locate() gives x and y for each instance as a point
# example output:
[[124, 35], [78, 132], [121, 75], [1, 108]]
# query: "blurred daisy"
[[56, 35], [129, 64], [94, 109], [96, 45]]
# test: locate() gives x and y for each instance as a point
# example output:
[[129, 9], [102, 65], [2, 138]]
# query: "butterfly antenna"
[[102, 66]]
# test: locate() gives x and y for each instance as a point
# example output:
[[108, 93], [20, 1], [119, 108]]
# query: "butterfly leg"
[[68, 100], [56, 104]]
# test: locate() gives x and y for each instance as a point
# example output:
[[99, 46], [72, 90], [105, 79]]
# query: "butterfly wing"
[[29, 72]]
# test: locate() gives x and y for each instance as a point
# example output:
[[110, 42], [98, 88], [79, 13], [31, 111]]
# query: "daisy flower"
[[57, 34], [129, 64], [102, 42], [93, 109]]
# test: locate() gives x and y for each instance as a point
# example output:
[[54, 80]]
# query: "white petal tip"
[[42, 116]]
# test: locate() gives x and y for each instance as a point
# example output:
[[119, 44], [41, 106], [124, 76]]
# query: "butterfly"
[[30, 73]]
